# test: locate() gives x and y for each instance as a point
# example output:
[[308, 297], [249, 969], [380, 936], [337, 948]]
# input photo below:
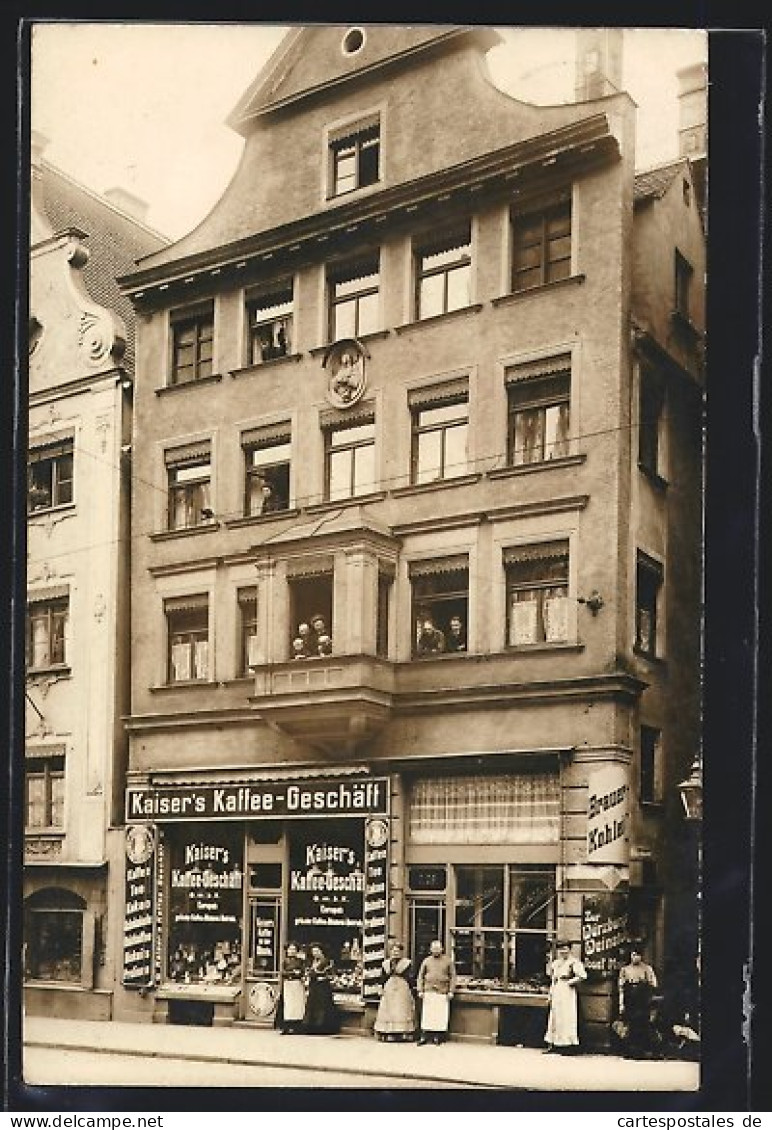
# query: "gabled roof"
[[652, 184], [310, 59], [115, 240]]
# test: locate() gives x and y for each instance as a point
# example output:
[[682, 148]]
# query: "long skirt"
[[637, 998], [293, 999], [562, 1027], [321, 1015], [435, 1012], [396, 1011]]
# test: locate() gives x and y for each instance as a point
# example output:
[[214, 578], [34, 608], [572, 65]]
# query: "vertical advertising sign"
[[376, 904], [604, 932], [139, 906], [608, 815]]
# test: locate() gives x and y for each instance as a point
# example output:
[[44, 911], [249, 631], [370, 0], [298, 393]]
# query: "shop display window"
[[493, 950], [326, 896], [205, 906], [53, 936]]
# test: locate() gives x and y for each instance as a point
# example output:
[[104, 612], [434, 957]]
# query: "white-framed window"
[[443, 266], [349, 452], [537, 579], [440, 606], [538, 410], [354, 298], [187, 630], [267, 465], [44, 778], [270, 325], [189, 479], [354, 156], [47, 625], [50, 475]]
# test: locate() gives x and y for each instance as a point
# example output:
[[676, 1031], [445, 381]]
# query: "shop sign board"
[[139, 906], [608, 817], [326, 884], [376, 905], [605, 932], [276, 799]]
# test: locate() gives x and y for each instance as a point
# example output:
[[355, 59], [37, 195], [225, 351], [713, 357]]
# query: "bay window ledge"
[[516, 295], [186, 532], [213, 378], [461, 312], [260, 519], [54, 671], [541, 465]]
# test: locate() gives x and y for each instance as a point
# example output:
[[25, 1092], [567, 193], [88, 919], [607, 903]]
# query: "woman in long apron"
[[293, 992], [566, 973], [395, 1019]]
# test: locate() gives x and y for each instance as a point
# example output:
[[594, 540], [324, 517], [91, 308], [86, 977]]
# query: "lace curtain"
[[514, 809]]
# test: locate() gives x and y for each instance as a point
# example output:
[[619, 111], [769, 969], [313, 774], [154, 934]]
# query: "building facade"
[[76, 690], [415, 570]]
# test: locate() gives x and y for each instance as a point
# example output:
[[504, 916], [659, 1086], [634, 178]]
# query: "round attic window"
[[353, 41]]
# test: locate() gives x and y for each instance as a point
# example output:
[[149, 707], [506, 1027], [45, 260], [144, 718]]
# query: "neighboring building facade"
[[80, 395], [415, 537]]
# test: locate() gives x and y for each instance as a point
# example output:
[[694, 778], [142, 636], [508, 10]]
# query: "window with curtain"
[[50, 475], [539, 412], [537, 593], [46, 636], [514, 809], [187, 620], [44, 793], [247, 602]]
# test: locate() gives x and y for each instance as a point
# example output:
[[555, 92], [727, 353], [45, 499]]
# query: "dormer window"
[[354, 157]]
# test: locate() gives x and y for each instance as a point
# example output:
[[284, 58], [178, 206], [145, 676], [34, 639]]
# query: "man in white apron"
[[436, 985]]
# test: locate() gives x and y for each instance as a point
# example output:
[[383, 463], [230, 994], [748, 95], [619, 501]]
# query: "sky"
[[143, 106]]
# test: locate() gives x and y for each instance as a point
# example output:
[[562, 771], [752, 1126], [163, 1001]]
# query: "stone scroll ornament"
[[347, 379]]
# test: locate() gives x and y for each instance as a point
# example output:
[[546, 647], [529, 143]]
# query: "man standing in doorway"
[[436, 985]]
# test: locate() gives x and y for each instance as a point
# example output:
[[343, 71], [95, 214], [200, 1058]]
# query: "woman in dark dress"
[[637, 983], [321, 1017]]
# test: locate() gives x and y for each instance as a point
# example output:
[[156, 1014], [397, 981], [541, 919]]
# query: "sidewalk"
[[463, 1064]]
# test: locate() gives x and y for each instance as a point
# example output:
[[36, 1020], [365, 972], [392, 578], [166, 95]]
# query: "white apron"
[[293, 998], [435, 1012]]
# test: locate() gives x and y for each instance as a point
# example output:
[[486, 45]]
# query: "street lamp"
[[691, 792]]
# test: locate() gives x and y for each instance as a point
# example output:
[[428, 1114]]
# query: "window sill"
[[543, 465], [214, 378], [684, 322], [516, 295], [439, 484], [462, 312], [652, 807], [553, 645], [188, 531], [241, 680], [44, 833], [272, 362], [62, 508], [186, 685], [654, 478], [260, 519], [376, 335], [356, 500], [60, 670], [657, 660]]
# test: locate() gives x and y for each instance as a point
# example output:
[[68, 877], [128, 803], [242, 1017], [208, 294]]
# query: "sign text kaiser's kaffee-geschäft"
[[268, 798]]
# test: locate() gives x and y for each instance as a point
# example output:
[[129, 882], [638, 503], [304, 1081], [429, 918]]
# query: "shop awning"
[[258, 774]]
